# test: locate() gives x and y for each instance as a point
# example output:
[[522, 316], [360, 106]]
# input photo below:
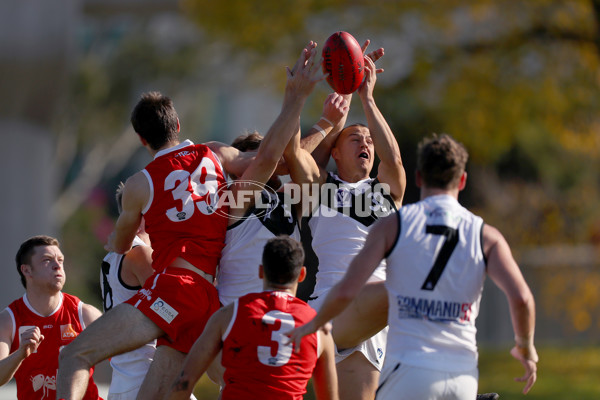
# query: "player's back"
[[259, 362], [435, 275], [180, 215]]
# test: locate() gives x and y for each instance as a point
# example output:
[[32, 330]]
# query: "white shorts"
[[373, 348], [401, 381]]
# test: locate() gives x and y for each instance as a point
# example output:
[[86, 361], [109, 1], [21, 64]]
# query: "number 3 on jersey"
[[200, 183], [284, 349]]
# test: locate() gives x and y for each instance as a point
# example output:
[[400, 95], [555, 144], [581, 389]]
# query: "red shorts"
[[178, 301]]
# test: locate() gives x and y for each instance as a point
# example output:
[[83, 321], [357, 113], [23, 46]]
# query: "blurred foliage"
[[516, 82], [563, 374]]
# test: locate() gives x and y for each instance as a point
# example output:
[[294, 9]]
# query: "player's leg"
[[363, 318], [163, 371], [122, 329], [357, 378]]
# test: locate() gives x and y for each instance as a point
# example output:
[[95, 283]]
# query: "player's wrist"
[[525, 346], [325, 122]]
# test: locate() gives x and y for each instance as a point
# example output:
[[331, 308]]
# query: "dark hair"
[[247, 142], [441, 160], [119, 196], [154, 118], [28, 248], [282, 260]]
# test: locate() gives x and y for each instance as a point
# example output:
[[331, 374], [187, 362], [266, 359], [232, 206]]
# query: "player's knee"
[[75, 353]]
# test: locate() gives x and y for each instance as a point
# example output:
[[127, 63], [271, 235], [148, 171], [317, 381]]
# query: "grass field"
[[563, 374]]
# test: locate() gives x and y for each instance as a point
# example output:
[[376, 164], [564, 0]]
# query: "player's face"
[[354, 148], [47, 267]]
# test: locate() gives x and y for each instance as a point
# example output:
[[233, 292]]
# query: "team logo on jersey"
[[164, 310], [47, 383], [67, 332]]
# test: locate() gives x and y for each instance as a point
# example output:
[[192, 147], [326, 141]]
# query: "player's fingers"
[[365, 45]]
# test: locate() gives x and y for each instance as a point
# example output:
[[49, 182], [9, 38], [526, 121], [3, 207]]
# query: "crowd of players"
[[191, 285]]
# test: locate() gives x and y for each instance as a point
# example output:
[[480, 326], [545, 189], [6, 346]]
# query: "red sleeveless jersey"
[[180, 215], [36, 376], [259, 363]]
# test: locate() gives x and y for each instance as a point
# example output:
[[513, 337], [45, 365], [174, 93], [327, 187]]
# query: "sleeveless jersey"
[[259, 363], [180, 215], [129, 369], [36, 376], [340, 225], [244, 244], [435, 275]]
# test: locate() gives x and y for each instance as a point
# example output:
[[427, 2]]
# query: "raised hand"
[[302, 78], [373, 55], [335, 108]]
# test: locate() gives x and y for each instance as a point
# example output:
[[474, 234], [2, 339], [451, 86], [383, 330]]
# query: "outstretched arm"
[[505, 273], [390, 170], [323, 134], [202, 353]]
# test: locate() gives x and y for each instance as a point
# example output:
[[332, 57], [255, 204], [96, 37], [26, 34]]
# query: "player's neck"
[[168, 145], [352, 176], [43, 302], [428, 192], [276, 288]]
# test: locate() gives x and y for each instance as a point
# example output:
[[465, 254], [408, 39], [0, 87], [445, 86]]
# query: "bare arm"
[[136, 193], [234, 161], [333, 118], [30, 340], [137, 266], [202, 353], [505, 273], [90, 314], [380, 239], [324, 375], [390, 169], [300, 83]]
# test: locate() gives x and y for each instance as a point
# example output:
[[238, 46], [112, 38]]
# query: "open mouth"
[[364, 155]]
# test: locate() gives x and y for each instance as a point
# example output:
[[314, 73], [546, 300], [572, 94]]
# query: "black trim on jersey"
[[485, 261], [387, 253], [126, 286], [274, 219], [350, 210]]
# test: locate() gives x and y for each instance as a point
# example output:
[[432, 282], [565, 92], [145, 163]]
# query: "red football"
[[344, 62]]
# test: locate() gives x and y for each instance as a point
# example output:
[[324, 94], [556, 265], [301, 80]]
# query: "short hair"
[[282, 260], [441, 160], [28, 248], [154, 118], [249, 141], [356, 124], [119, 197]]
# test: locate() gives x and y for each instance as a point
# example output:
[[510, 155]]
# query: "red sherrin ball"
[[344, 62]]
